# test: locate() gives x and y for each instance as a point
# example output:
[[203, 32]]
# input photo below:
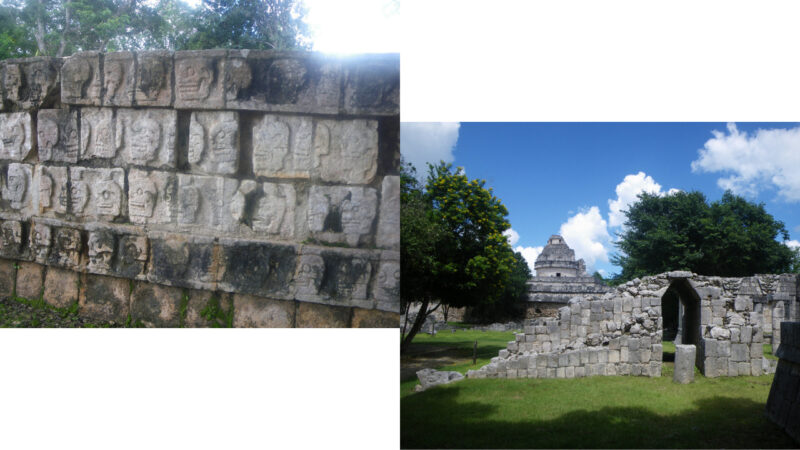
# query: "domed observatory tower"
[[559, 277]]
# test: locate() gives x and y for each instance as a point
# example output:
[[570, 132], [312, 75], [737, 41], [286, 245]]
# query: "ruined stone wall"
[[783, 403], [621, 332], [267, 181]]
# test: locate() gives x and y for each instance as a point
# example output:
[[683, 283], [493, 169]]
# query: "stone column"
[[684, 363], [681, 320], [783, 404]]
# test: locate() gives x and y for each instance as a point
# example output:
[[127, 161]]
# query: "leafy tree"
[[729, 237], [513, 304], [452, 246]]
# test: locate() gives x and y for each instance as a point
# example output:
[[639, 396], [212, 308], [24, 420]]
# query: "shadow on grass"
[[437, 419]]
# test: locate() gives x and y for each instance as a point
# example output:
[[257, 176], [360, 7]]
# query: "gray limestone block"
[[31, 83], [633, 344], [66, 248], [102, 246], [735, 334], [513, 347], [17, 191], [602, 356], [57, 131], [131, 256], [430, 377], [756, 367], [513, 364], [705, 315], [636, 369], [118, 82], [614, 356], [339, 214], [264, 210], [541, 361], [684, 363], [214, 140], [593, 357], [600, 369], [561, 372], [627, 304], [655, 368], [97, 193], [388, 235], [724, 348], [563, 360], [81, 79], [337, 276], [740, 352], [386, 286], [743, 303], [268, 269], [372, 86], [744, 368], [523, 362], [152, 196], [350, 152], [747, 334], [551, 372], [624, 369], [574, 358], [156, 306], [101, 137], [580, 372], [512, 373], [12, 240], [645, 354], [657, 349], [756, 350], [569, 372], [552, 360], [185, 261], [733, 369], [199, 79], [41, 241], [634, 356], [147, 137], [153, 78], [16, 136], [708, 292], [283, 81]]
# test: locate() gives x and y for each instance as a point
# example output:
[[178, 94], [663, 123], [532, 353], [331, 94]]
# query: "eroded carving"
[[388, 283], [286, 78], [147, 136], [15, 136], [108, 197], [12, 80], [80, 80], [41, 241], [17, 178], [58, 135], [341, 214], [189, 204], [270, 146], [153, 78], [214, 142], [238, 77], [352, 153], [66, 251], [117, 79], [78, 193], [101, 251], [274, 214], [98, 137], [132, 259], [197, 140], [194, 77], [142, 195], [238, 203], [308, 279], [11, 232]]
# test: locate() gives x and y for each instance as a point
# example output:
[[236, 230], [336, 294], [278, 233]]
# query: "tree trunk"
[[421, 316]]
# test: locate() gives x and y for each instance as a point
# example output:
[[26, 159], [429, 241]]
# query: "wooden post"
[[475, 353]]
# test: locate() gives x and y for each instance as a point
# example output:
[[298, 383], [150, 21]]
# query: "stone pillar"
[[679, 336], [783, 404], [684, 363]]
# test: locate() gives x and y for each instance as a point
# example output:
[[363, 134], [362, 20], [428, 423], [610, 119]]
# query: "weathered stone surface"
[[282, 81], [336, 277], [100, 136], [8, 276], [180, 260], [66, 250], [57, 130], [153, 81], [348, 150], [340, 214], [684, 363], [30, 278], [388, 235], [118, 82], [257, 268], [387, 282], [268, 209], [287, 146], [367, 318], [101, 245], [16, 136], [430, 377], [256, 312], [97, 193], [17, 189], [81, 79], [147, 136], [105, 298], [154, 305], [374, 87], [312, 315], [199, 201], [199, 79], [52, 193], [31, 83], [60, 287], [214, 142], [132, 254], [202, 302], [12, 240]]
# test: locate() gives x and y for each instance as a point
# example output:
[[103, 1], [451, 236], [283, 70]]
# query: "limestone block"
[[101, 248], [250, 311], [154, 305], [199, 79], [288, 146], [341, 214], [16, 136], [153, 80], [52, 193], [735, 334], [17, 190], [60, 287], [66, 250], [30, 278], [32, 83], [367, 318], [374, 87], [81, 78], [199, 201], [740, 352], [351, 153], [756, 350], [182, 260], [580, 372], [724, 348], [97, 193], [257, 268], [12, 242], [389, 215], [104, 298], [57, 130], [8, 275], [273, 214], [147, 136], [41, 239], [720, 333], [387, 282], [336, 276], [100, 136], [214, 142], [743, 303], [118, 82], [281, 81], [152, 196], [198, 301], [132, 253], [312, 315]]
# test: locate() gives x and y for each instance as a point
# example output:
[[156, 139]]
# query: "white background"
[[461, 61]]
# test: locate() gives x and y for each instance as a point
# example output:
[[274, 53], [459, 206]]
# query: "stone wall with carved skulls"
[[267, 181]]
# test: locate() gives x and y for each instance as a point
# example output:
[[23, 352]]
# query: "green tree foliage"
[[452, 246], [514, 301], [730, 237], [62, 27]]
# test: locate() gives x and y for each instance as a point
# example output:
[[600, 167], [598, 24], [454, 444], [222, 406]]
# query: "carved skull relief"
[[41, 239], [101, 251]]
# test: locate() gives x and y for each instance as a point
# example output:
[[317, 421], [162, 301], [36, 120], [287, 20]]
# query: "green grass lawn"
[[597, 412]]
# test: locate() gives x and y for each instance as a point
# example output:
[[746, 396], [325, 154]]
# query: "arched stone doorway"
[[680, 312]]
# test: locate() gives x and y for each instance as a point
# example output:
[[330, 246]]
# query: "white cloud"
[[792, 244], [767, 159], [512, 236], [587, 233], [627, 193], [530, 254], [428, 142]]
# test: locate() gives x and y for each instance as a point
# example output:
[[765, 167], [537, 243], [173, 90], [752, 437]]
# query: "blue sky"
[[576, 178]]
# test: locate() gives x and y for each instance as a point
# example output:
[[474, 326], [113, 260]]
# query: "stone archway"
[[680, 312]]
